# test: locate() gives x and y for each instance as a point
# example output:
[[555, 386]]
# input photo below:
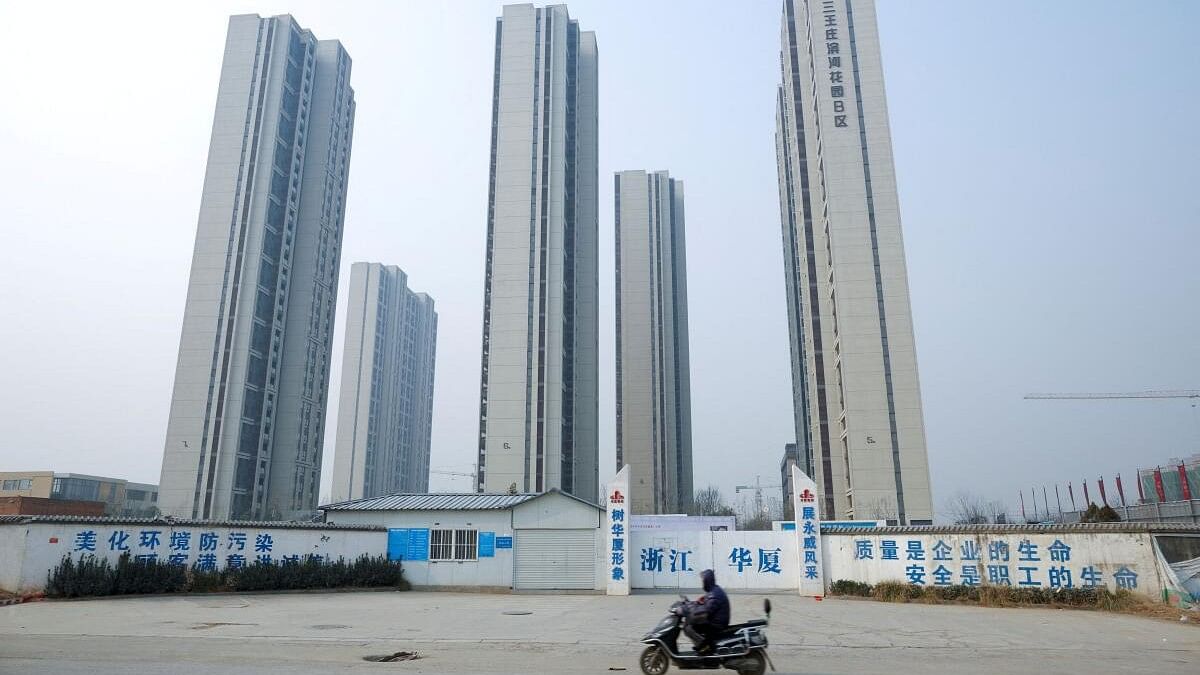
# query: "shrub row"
[[894, 591], [92, 576]]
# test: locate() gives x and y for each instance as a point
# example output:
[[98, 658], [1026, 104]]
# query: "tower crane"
[[758, 494], [463, 474], [1178, 393]]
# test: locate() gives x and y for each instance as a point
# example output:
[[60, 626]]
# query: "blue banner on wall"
[[397, 544], [487, 544], [418, 544], [503, 542]]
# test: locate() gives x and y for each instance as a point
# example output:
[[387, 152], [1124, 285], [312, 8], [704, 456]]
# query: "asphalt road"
[[470, 633]]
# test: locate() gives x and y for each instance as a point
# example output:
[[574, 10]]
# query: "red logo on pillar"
[[807, 496], [616, 497]]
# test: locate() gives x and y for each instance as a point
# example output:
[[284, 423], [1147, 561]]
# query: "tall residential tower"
[[385, 409], [859, 426], [538, 408], [248, 409], [654, 401]]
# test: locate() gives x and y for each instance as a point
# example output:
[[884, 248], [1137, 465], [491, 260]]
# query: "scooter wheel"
[[654, 660], [759, 664]]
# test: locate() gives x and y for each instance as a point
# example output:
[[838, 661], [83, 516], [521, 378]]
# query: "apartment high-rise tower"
[[654, 402], [247, 417], [859, 426], [538, 426], [385, 409]]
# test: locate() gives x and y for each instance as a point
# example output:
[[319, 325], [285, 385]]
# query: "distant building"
[[860, 430], [247, 420], [1177, 479], [654, 399], [539, 370], [117, 496], [385, 410], [791, 457], [42, 506]]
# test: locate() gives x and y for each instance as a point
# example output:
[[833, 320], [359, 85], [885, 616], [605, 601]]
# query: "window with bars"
[[453, 545]]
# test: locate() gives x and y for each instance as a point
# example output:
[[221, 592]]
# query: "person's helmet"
[[709, 579]]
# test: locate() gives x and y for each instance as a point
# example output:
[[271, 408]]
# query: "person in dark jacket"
[[715, 605]]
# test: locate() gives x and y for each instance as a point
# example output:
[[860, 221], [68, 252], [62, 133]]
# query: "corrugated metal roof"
[[469, 501], [184, 522], [1049, 528]]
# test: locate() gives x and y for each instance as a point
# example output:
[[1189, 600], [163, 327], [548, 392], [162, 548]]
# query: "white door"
[[555, 559]]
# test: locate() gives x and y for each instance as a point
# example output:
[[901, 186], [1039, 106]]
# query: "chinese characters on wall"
[[1017, 562], [833, 59], [203, 549]]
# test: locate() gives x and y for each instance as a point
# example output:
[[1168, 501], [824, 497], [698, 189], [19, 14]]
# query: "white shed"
[[547, 541]]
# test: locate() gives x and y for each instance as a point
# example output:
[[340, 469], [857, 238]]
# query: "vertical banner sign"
[[617, 526], [1183, 484], [1158, 485], [808, 533]]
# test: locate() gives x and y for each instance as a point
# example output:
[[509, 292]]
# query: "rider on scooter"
[[715, 605]]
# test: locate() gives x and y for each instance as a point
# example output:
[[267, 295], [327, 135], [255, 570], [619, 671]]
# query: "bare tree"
[[881, 509], [709, 502], [969, 509]]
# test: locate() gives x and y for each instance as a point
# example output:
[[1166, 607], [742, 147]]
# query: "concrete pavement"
[[470, 633]]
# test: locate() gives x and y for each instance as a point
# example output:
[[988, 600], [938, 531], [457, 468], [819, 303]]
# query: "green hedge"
[[92, 576], [896, 591]]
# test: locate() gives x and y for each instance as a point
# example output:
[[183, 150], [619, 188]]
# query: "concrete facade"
[[791, 457], [538, 420], [654, 401], [857, 399], [248, 407], [385, 409]]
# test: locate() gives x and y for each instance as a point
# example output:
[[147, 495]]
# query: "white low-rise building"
[[548, 541]]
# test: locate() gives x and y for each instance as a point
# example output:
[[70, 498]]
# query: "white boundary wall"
[[741, 560], [1059, 558], [28, 551]]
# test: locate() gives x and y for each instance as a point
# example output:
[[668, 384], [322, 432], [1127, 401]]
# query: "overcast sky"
[[1046, 155]]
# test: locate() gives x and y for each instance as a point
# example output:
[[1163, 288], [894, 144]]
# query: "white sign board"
[[808, 533], [618, 531]]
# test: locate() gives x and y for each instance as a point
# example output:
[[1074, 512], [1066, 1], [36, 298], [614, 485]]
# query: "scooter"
[[741, 647]]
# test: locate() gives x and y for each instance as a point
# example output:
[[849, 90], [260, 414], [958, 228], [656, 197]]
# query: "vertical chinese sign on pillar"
[[616, 553], [808, 533]]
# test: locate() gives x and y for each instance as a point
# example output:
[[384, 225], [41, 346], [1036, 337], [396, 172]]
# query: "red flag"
[[1086, 497], [1071, 491], [1158, 484], [1120, 490], [1183, 485], [1103, 496]]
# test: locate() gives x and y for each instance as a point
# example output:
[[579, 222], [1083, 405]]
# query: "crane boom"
[[1179, 393]]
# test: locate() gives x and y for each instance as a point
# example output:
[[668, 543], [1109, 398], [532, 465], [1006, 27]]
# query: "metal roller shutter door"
[[555, 559]]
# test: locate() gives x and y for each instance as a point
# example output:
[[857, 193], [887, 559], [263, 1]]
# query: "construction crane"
[[758, 495], [1180, 393]]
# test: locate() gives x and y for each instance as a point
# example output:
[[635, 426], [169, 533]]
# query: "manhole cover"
[[390, 658], [328, 626], [516, 612]]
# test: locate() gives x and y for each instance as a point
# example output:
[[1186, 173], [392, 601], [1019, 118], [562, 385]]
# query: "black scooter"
[[741, 647]]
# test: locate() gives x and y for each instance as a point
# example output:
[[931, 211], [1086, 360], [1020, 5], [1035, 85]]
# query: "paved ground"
[[468, 633]]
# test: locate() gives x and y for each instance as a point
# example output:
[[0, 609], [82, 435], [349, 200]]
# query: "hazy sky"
[[1046, 155]]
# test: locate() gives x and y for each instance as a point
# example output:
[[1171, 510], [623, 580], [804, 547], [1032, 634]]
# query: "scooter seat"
[[730, 630]]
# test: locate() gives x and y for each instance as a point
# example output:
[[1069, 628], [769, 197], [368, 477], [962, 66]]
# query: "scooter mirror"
[[767, 606]]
